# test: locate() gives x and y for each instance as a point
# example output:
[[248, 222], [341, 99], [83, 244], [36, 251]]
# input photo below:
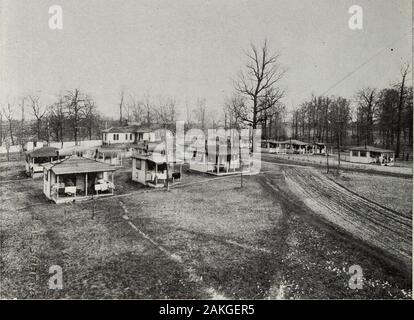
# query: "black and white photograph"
[[203, 150]]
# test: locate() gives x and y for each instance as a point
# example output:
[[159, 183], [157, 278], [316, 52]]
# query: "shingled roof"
[[76, 164], [127, 129]]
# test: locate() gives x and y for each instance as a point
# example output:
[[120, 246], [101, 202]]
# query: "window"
[[104, 137], [116, 136], [46, 173], [130, 136], [138, 164], [355, 153], [363, 154], [126, 136]]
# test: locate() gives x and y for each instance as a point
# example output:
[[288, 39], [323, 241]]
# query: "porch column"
[[156, 172], [181, 171]]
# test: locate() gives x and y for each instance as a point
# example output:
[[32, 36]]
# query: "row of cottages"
[[291, 146], [77, 178], [370, 154]]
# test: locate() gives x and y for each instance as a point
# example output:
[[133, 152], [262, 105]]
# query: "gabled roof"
[[43, 152], [129, 129], [76, 164], [371, 149]]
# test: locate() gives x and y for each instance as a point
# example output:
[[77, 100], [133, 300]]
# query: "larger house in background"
[[135, 133], [130, 134], [77, 178], [35, 158]]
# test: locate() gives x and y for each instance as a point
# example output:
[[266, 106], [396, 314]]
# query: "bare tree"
[[232, 107], [9, 117], [166, 111], [75, 103], [367, 105], [21, 134], [57, 118], [91, 117], [258, 83], [404, 72], [121, 106], [148, 109], [136, 108], [38, 112], [200, 112]]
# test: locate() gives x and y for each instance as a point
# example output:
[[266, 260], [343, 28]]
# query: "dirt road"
[[379, 226]]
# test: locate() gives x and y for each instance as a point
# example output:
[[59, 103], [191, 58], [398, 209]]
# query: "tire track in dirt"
[[374, 224], [193, 276]]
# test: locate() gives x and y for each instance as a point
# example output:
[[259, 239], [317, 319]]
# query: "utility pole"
[[339, 126], [327, 161], [240, 161]]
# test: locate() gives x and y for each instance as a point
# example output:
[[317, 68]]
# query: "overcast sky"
[[192, 49]]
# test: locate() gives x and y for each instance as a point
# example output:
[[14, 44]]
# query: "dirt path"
[[383, 228]]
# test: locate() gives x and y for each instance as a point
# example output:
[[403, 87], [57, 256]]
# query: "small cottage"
[[35, 158], [77, 178], [150, 169], [369, 154]]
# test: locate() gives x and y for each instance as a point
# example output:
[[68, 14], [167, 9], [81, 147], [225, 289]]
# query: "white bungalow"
[[76, 179], [126, 135], [150, 169], [35, 158], [369, 154]]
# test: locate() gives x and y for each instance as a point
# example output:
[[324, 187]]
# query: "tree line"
[[73, 116], [372, 117]]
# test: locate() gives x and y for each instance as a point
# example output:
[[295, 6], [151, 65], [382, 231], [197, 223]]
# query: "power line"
[[364, 63]]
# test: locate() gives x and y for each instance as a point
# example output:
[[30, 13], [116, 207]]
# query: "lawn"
[[206, 238], [392, 192]]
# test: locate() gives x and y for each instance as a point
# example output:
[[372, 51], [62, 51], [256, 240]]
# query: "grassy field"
[[393, 192], [206, 238]]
